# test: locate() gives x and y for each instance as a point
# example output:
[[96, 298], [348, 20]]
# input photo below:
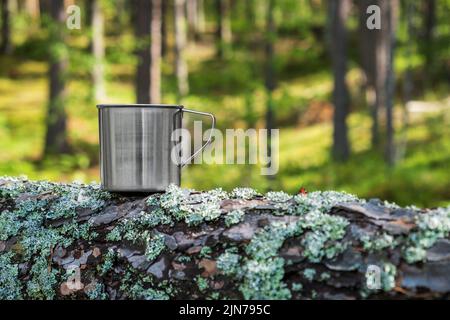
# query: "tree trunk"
[[5, 45], [155, 72], [367, 40], [430, 21], [390, 8], [181, 70], [201, 17], [338, 14], [164, 13], [56, 136], [61, 241], [270, 77], [32, 7], [192, 18], [223, 32], [98, 50], [148, 34]]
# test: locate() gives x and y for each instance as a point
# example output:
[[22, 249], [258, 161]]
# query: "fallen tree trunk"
[[73, 241]]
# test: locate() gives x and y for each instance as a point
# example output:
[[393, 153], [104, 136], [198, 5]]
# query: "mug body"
[[136, 146]]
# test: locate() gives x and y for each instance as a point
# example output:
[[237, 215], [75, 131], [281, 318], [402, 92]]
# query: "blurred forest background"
[[365, 111]]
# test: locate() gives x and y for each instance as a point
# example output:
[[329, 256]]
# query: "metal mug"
[[136, 145]]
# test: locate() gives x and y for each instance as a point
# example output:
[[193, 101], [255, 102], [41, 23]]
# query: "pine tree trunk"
[[367, 40], [391, 14], [192, 18], [56, 136], [62, 241], [181, 70], [430, 21], [223, 33], [5, 45], [164, 13], [338, 14], [270, 77], [98, 50], [155, 72], [143, 52], [148, 34]]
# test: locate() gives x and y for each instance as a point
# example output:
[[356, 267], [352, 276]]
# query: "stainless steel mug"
[[136, 146]]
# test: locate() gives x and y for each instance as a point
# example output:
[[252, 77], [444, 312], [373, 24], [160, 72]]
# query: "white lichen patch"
[[431, 227], [244, 193], [378, 242], [321, 240], [278, 196]]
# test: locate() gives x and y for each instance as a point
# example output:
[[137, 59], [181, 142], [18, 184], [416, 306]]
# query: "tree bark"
[[98, 50], [148, 34], [56, 135], [5, 45], [338, 14], [78, 242], [181, 69]]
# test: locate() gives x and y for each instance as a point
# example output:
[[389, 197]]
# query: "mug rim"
[[140, 105]]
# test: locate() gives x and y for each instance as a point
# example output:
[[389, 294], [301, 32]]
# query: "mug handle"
[[213, 124]]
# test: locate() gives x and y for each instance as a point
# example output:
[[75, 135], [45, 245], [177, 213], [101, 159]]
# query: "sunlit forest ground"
[[233, 91]]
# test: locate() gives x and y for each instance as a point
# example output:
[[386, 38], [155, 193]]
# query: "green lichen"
[[108, 262], [278, 196], [183, 259], [324, 276], [43, 280], [321, 201], [309, 274], [192, 208], [228, 263], [155, 245], [10, 286], [202, 283], [205, 252], [297, 287], [137, 291], [244, 193], [321, 240], [388, 277], [234, 217], [263, 271], [97, 292], [378, 242], [280, 200], [431, 227], [32, 208]]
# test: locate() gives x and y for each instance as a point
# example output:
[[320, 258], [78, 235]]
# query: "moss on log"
[[75, 241]]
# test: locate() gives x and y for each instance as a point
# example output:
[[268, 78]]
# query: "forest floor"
[[421, 177]]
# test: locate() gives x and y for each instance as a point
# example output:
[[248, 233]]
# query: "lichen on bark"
[[76, 241]]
